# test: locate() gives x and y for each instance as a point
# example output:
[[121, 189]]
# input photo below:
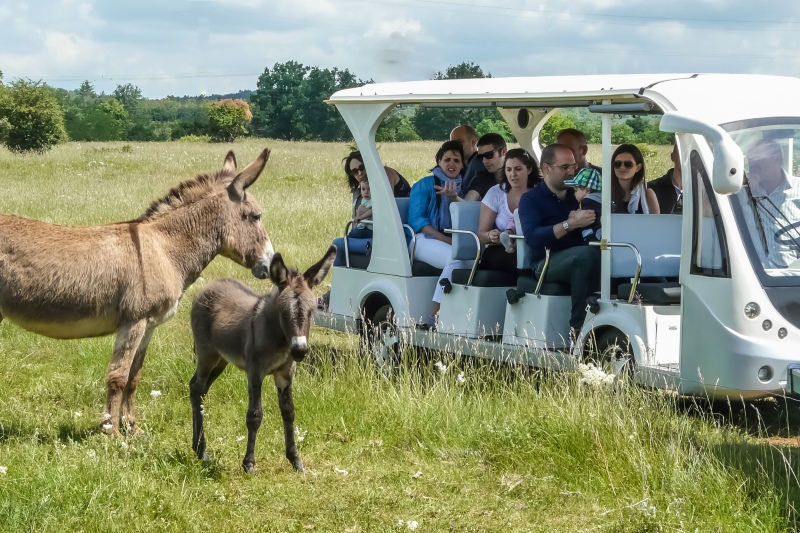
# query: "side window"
[[709, 247]]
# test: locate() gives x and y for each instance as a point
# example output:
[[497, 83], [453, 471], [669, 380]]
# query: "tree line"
[[288, 103]]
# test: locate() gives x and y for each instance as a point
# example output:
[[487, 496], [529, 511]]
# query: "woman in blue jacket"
[[429, 216]]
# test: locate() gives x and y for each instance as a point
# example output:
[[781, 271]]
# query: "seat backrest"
[[523, 252], [658, 239], [465, 216], [402, 208]]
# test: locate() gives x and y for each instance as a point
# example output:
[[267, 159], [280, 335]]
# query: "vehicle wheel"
[[383, 339], [610, 351]]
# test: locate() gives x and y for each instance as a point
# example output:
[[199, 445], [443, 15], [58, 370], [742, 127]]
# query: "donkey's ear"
[[316, 273], [229, 166], [249, 175], [278, 272]]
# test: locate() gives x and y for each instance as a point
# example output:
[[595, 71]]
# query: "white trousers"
[[438, 254]]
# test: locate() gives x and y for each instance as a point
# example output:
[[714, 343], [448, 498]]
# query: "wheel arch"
[[623, 323]]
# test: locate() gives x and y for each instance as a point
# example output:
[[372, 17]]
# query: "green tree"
[[554, 124], [622, 133], [33, 119], [397, 127], [488, 125], [228, 119], [434, 123], [288, 102], [130, 96]]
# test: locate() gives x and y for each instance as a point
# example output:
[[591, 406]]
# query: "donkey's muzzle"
[[298, 348], [261, 269]]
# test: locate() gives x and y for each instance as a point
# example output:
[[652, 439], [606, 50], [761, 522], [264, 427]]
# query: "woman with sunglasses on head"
[[356, 172], [520, 173], [629, 192]]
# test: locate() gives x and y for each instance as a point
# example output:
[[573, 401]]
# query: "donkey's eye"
[[244, 216], [256, 216]]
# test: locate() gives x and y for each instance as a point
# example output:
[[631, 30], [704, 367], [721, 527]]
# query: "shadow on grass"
[[770, 418], [189, 461], [64, 433]]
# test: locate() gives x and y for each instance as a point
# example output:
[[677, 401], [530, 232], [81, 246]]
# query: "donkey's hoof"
[[298, 465], [109, 429], [205, 457], [249, 468], [133, 430]]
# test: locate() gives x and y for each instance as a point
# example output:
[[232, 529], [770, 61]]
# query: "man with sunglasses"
[[491, 156], [549, 215], [669, 187]]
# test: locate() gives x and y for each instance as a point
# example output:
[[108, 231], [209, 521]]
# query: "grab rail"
[[477, 254], [605, 245]]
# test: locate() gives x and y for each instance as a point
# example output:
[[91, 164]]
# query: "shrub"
[[228, 119], [30, 116], [195, 139]]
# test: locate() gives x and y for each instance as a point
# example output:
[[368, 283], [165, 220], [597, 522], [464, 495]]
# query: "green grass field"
[[507, 450]]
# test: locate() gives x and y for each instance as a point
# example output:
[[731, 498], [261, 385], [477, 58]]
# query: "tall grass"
[[460, 446]]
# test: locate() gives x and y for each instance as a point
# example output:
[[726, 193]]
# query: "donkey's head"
[[295, 302], [244, 238]]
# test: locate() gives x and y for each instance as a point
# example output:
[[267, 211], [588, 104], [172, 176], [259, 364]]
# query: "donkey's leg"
[[254, 416], [283, 383], [129, 337], [135, 374], [209, 367]]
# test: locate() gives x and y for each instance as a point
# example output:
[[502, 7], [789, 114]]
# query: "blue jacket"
[[423, 207]]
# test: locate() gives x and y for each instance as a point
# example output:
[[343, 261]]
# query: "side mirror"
[[727, 174]]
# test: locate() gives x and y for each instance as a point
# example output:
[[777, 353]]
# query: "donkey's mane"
[[186, 193]]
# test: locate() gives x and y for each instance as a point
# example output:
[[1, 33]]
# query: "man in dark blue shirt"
[[549, 214]]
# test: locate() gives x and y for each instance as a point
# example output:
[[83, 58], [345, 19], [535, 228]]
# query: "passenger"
[[549, 215], [588, 184], [669, 187], [429, 216], [575, 140], [520, 173], [771, 203], [629, 192], [491, 151], [363, 212], [468, 138], [356, 173]]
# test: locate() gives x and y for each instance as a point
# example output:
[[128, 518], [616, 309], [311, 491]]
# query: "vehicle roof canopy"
[[715, 98]]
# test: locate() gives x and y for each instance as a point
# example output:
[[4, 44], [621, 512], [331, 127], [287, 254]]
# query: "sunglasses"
[[356, 170], [486, 155], [626, 164]]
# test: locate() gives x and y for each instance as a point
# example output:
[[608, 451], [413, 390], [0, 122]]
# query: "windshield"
[[767, 207]]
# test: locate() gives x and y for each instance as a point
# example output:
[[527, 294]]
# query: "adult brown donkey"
[[261, 335], [128, 277]]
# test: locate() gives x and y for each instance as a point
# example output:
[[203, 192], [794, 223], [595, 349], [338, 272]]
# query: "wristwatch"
[[565, 225]]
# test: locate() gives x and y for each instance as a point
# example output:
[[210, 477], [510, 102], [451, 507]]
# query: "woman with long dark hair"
[[520, 173], [629, 192]]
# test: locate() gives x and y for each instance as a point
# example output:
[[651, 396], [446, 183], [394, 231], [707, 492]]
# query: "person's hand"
[[449, 189], [581, 218], [494, 236]]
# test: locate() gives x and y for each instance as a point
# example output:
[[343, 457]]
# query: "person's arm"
[[363, 213], [438, 235], [393, 176], [418, 204], [472, 196], [487, 227], [652, 202]]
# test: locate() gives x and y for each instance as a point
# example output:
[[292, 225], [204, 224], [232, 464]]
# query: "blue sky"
[[189, 47]]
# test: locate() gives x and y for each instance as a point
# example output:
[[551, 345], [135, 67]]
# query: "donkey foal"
[[261, 335]]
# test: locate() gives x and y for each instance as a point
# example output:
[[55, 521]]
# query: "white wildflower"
[[300, 434], [461, 378], [401, 523], [593, 376], [106, 427], [106, 416], [123, 444], [412, 525], [240, 438], [91, 453], [417, 475], [3, 470], [340, 471], [155, 393], [441, 367], [77, 414]]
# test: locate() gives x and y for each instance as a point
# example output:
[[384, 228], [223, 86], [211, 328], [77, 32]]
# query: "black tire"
[[383, 340], [610, 351]]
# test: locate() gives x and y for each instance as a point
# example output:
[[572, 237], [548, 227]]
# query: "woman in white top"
[[520, 173]]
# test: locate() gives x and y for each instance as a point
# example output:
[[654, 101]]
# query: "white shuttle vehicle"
[[726, 323]]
